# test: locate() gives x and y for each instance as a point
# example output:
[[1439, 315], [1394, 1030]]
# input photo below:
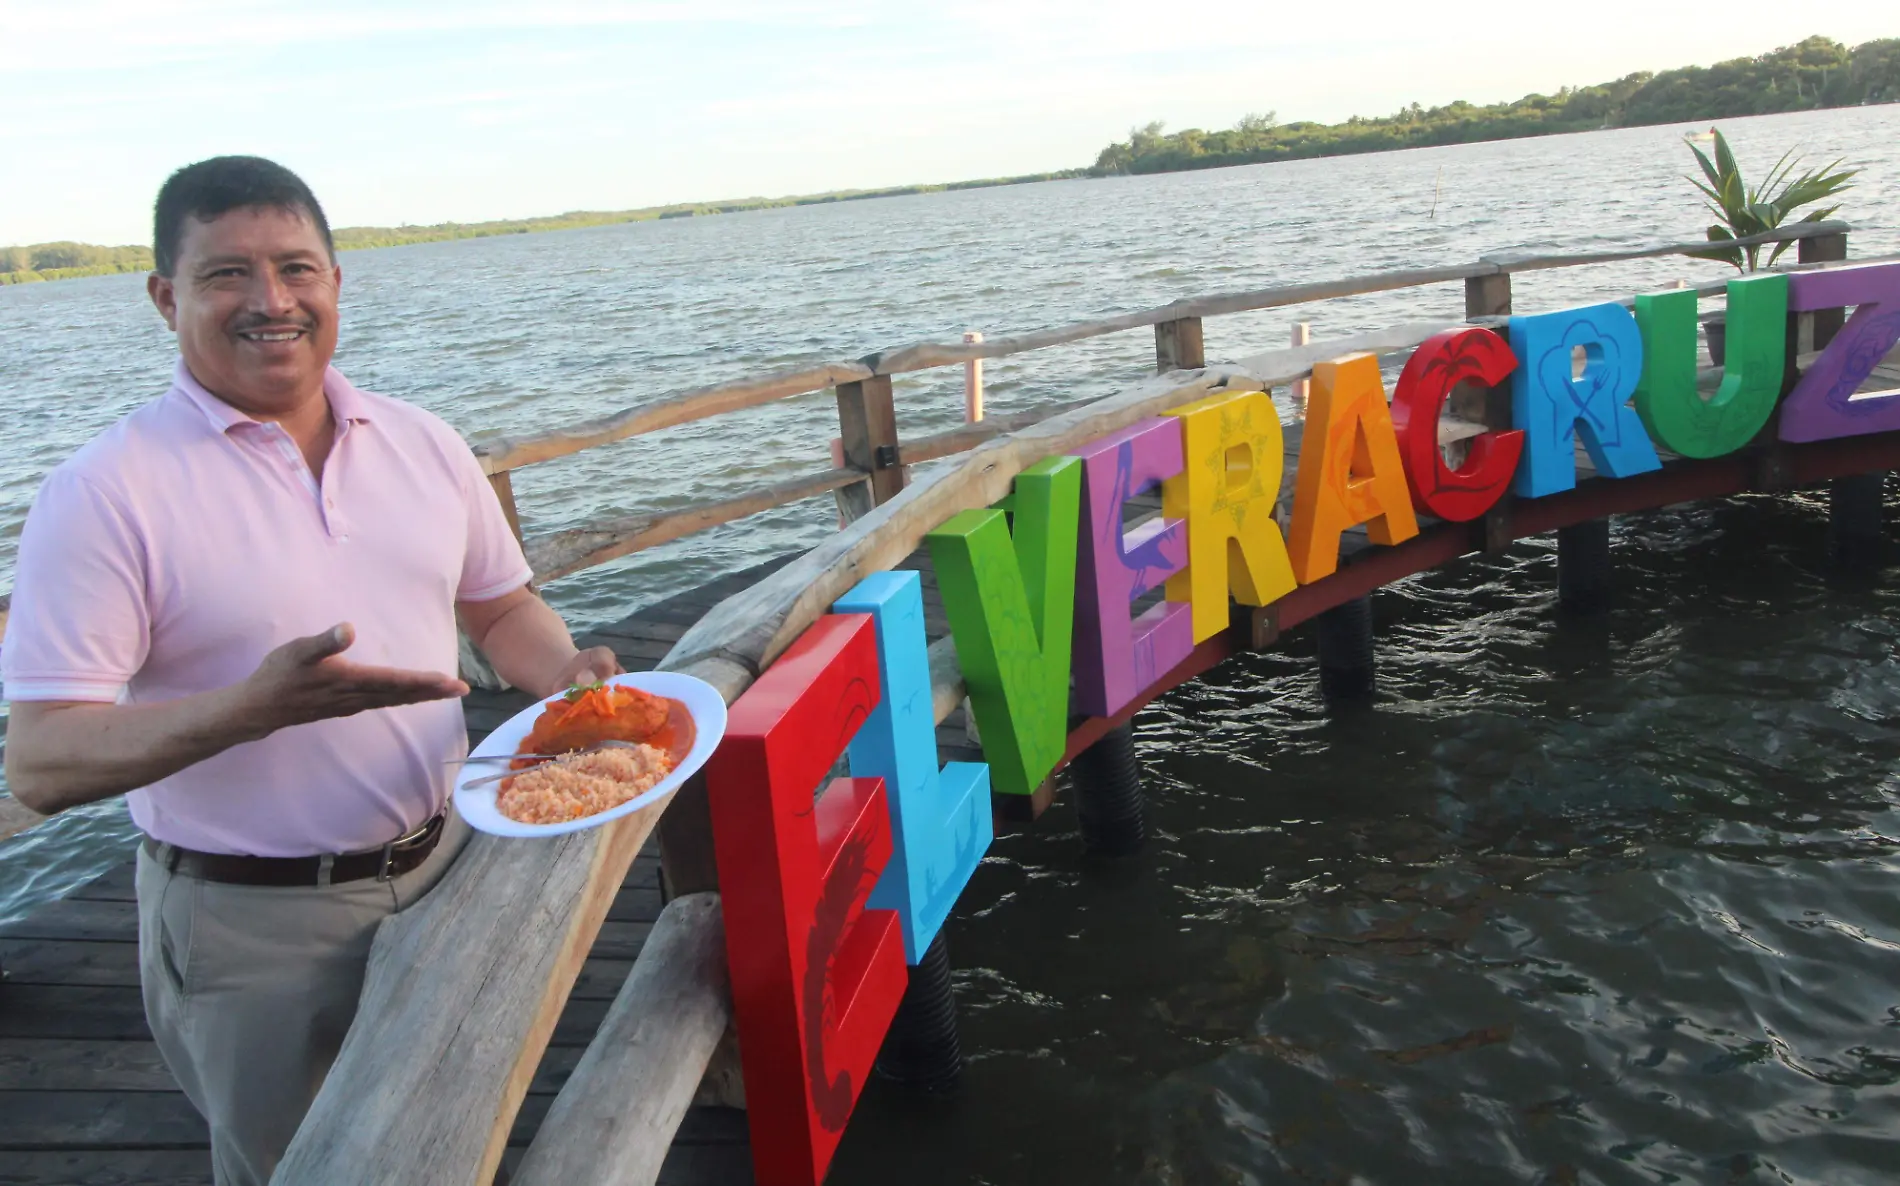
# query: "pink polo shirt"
[[174, 550]]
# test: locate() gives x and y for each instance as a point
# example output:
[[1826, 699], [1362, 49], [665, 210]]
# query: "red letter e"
[[816, 977]]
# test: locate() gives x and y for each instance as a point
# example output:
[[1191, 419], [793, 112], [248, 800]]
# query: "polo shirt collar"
[[346, 402]]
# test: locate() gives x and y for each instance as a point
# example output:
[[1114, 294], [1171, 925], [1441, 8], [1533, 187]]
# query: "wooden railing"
[[464, 988], [874, 454]]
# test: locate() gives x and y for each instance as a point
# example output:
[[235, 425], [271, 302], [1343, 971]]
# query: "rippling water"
[[1606, 901], [1571, 902]]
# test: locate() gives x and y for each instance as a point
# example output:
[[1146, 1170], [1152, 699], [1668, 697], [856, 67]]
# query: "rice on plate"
[[577, 785]]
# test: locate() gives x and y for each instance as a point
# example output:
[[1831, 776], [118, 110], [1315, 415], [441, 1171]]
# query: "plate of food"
[[622, 745]]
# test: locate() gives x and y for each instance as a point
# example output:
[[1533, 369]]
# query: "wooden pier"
[[85, 1098]]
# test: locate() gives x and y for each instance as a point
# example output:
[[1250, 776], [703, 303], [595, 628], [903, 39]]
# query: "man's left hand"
[[529, 645], [593, 665]]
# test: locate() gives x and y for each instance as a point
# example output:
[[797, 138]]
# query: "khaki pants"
[[250, 989]]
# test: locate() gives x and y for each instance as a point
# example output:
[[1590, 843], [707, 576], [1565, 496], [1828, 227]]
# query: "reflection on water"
[[1599, 901]]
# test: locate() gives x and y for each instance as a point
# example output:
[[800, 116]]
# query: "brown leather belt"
[[394, 859]]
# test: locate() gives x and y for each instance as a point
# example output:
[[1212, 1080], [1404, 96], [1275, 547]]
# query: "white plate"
[[477, 806]]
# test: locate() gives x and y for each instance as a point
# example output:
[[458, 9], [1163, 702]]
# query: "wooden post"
[[867, 423], [471, 665], [16, 817], [921, 1051], [1854, 503], [1818, 250], [1485, 296], [972, 381], [687, 863], [1585, 567], [1488, 296], [503, 484], [1178, 346], [616, 1115], [1108, 799], [1854, 520], [1302, 336], [1346, 657]]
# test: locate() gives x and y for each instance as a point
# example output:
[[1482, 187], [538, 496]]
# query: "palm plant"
[[1748, 212]]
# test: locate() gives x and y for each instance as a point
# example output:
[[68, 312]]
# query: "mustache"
[[258, 321]]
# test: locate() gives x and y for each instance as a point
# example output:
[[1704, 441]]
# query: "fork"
[[506, 774], [594, 748]]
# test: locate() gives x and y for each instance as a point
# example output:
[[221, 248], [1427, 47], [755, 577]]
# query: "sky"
[[415, 111]]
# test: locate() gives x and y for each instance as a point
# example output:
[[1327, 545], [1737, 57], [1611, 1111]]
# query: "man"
[[237, 607]]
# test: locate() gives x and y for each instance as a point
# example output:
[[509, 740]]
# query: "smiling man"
[[237, 607]]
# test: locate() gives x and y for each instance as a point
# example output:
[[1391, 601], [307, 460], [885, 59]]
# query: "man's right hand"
[[60, 754], [308, 679]]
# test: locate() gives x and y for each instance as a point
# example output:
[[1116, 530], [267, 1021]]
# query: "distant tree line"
[[348, 238], [1817, 73], [58, 261]]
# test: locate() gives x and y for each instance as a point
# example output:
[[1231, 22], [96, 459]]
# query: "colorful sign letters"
[[1823, 405], [1445, 360], [1552, 404], [816, 977], [827, 899], [941, 818], [1672, 409], [1009, 591], [1235, 456], [1351, 473], [1117, 658]]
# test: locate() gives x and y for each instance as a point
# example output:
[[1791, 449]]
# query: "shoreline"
[[364, 237]]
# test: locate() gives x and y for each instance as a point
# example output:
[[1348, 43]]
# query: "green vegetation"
[[1816, 73], [62, 261], [1745, 212], [352, 237]]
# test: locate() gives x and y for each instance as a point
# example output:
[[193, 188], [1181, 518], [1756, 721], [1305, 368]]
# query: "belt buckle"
[[404, 843]]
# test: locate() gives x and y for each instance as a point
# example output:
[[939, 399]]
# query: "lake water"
[[1570, 902]]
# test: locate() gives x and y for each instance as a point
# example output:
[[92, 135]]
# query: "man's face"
[[252, 298]]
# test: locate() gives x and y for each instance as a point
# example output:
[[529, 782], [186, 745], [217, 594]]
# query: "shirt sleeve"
[[80, 626], [493, 563]]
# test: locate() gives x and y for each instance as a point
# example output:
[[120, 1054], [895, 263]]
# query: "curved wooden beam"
[[653, 1045], [462, 995]]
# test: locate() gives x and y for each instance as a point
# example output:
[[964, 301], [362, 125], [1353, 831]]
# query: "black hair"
[[219, 185]]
